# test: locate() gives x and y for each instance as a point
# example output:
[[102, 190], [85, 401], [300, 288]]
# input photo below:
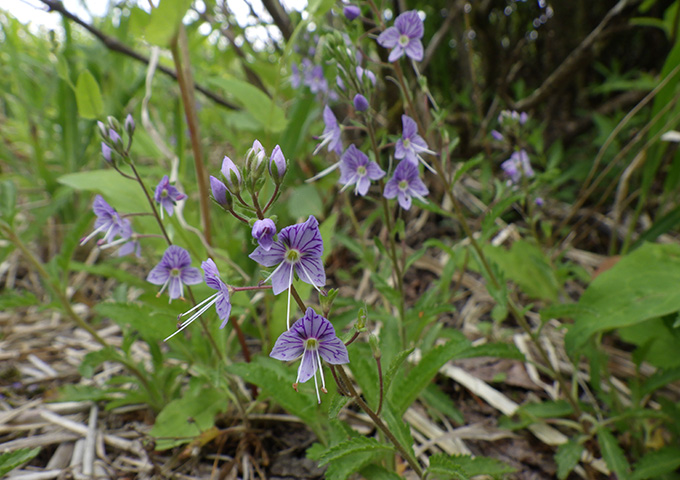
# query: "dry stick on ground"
[[116, 46], [563, 74]]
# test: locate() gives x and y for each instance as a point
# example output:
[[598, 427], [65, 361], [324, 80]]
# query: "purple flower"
[[167, 195], [312, 337], [404, 37], [517, 166], [315, 80], [411, 145], [264, 231], [351, 12], [219, 299], [174, 270], [299, 247], [277, 164], [219, 192], [109, 222], [360, 103], [331, 133], [404, 184], [356, 169], [231, 174]]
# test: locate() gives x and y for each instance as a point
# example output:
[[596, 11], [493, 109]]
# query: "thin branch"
[[116, 46]]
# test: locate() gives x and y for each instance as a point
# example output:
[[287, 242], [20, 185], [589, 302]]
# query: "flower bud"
[[231, 174], [360, 103], [106, 152], [220, 194], [351, 12], [277, 165], [129, 125]]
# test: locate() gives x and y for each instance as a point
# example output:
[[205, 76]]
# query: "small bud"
[[103, 131], [277, 165], [360, 103], [106, 152], [231, 174], [220, 194], [129, 125], [361, 320], [375, 347], [351, 12]]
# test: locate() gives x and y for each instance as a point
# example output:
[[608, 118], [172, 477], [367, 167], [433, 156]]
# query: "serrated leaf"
[[657, 464], [612, 454], [88, 96], [444, 467], [353, 446], [567, 457], [11, 460]]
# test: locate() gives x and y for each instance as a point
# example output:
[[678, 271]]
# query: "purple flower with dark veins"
[[331, 133], [356, 169], [517, 166], [404, 37], [173, 271], [312, 337], [109, 222], [404, 184], [299, 247], [167, 195], [411, 145], [219, 299], [264, 231]]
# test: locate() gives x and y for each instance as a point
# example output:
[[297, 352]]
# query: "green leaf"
[[444, 467], [11, 460], [657, 464], [567, 457], [270, 116], [164, 21], [122, 194], [353, 446], [641, 286], [183, 419], [406, 389], [275, 379], [88, 96], [612, 454]]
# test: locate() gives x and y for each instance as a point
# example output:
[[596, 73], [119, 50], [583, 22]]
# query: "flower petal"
[[288, 346], [191, 276], [333, 350], [308, 366], [389, 38]]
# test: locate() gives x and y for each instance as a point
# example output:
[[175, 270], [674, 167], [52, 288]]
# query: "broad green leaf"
[[270, 116], [11, 460], [527, 266], [164, 21], [183, 419], [642, 285], [121, 193], [612, 454], [351, 447], [88, 96], [567, 457], [656, 464]]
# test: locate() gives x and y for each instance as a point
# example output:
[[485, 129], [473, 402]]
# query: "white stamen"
[[323, 173], [193, 317], [311, 282]]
